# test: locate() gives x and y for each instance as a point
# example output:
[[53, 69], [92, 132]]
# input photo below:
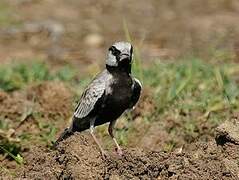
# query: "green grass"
[[193, 85], [196, 96], [189, 92], [204, 93], [17, 76], [12, 151]]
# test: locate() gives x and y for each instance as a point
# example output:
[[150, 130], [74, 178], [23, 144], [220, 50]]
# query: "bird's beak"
[[124, 57]]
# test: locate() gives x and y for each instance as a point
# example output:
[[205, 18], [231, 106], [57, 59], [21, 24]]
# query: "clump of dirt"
[[228, 132], [78, 158], [157, 138], [11, 105], [31, 116], [75, 157], [146, 105], [51, 98], [168, 133], [47, 98]]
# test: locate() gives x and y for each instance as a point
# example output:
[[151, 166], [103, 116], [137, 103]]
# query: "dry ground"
[[159, 141]]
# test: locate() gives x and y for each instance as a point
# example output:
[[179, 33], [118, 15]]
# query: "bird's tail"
[[64, 135]]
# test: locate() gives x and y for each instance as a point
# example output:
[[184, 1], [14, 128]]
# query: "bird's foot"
[[119, 151], [104, 154]]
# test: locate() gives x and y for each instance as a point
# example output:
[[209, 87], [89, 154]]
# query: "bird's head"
[[120, 56]]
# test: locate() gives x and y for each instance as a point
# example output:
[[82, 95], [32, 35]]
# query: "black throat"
[[123, 67]]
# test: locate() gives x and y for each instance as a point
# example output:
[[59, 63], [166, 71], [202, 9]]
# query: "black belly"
[[114, 105], [109, 108]]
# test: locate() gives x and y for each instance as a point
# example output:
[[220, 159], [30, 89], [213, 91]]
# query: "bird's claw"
[[119, 151], [104, 154]]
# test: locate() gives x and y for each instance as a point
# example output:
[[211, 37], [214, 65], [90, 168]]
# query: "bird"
[[107, 97]]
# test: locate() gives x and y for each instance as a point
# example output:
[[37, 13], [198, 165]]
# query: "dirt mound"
[[52, 98], [78, 158], [40, 109], [48, 98], [146, 105], [11, 105], [228, 131]]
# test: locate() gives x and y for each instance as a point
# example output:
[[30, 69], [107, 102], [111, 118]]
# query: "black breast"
[[117, 100]]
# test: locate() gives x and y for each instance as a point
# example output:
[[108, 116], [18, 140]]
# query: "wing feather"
[[91, 95]]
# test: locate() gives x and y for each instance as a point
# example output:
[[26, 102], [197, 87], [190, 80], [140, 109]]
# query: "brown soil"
[[79, 31], [51, 98], [44, 101], [146, 104], [78, 158], [32, 112], [48, 98]]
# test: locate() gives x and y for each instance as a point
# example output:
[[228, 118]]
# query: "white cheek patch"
[[111, 60]]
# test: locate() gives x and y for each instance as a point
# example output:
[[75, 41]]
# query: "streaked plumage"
[[109, 94], [91, 95]]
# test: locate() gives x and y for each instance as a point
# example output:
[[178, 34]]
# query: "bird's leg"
[[110, 130], [92, 122]]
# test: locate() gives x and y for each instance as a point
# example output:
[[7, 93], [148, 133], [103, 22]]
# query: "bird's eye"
[[114, 51]]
